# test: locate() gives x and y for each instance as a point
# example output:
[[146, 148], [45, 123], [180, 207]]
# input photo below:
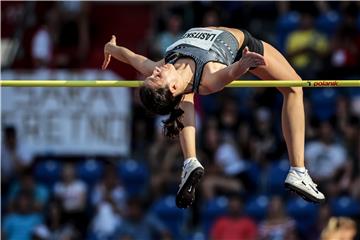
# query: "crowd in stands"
[[239, 134]]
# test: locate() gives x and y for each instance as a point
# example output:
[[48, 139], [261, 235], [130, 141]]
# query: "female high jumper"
[[204, 61]]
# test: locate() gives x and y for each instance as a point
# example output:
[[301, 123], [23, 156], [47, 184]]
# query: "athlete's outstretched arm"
[[142, 64], [187, 135], [218, 80]]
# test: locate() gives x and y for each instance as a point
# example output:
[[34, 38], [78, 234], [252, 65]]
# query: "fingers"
[[256, 56], [156, 71], [113, 39], [107, 58], [252, 59], [245, 50], [259, 62]]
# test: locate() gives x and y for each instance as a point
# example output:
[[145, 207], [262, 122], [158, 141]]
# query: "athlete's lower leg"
[[293, 125]]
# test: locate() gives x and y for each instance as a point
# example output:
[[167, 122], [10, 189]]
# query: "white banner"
[[69, 120]]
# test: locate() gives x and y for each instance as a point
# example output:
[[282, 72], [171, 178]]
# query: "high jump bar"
[[136, 83]]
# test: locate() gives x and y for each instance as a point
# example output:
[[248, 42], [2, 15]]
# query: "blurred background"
[[85, 163]]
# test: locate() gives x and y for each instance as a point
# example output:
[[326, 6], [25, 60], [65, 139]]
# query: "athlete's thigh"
[[277, 67]]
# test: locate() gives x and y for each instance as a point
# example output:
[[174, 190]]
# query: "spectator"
[[229, 117], [105, 221], [346, 47], [73, 41], [21, 223], [109, 199], [339, 228], [166, 159], [210, 138], [235, 225], [348, 126], [324, 156], [243, 138], [109, 190], [43, 41], [342, 113], [211, 18], [28, 184], [137, 224], [56, 226], [140, 141], [171, 169], [277, 224], [40, 233], [310, 130], [228, 159], [216, 184], [157, 150], [322, 220], [263, 139], [215, 181], [172, 33], [306, 47], [71, 192], [15, 157]]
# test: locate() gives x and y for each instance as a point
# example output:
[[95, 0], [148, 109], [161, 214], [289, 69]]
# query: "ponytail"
[[173, 125], [161, 101]]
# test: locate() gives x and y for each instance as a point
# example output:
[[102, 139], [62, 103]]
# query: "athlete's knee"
[[292, 90]]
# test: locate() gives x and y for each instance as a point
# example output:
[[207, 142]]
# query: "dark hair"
[[161, 101]]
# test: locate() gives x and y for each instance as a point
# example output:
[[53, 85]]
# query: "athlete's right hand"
[[107, 55], [251, 59]]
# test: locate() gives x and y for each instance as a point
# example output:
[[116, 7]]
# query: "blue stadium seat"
[[212, 210], [134, 176], [345, 206], [48, 172], [253, 171], [90, 171], [276, 176], [173, 217], [256, 207], [304, 213]]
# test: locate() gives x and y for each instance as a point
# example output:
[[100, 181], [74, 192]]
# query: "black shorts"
[[254, 45]]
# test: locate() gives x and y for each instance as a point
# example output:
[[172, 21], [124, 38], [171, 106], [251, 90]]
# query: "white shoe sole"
[[302, 193]]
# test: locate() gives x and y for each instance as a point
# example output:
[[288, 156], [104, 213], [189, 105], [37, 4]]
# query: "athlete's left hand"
[[251, 59], [107, 55]]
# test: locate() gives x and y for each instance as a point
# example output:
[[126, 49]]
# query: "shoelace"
[[183, 173], [309, 178]]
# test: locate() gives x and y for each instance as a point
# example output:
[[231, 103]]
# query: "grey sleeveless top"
[[203, 45]]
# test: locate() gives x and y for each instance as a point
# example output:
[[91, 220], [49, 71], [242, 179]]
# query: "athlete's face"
[[163, 76]]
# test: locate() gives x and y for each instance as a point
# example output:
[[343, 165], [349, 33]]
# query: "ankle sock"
[[188, 160], [298, 170]]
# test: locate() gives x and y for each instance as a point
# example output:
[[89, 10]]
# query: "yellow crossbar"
[[135, 83]]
